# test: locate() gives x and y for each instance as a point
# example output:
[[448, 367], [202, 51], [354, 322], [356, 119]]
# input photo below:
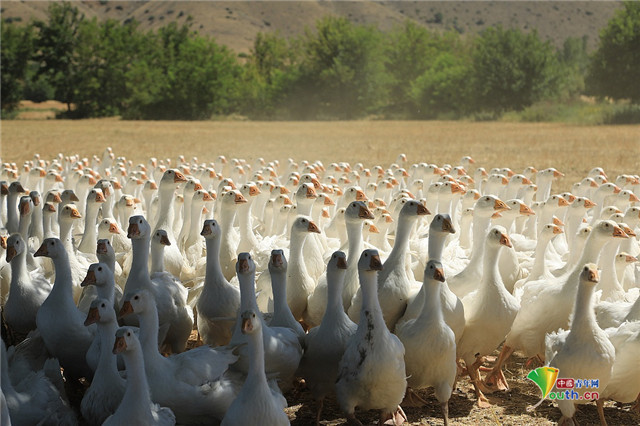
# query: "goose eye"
[[100, 269], [136, 297], [140, 221], [52, 243], [129, 334]]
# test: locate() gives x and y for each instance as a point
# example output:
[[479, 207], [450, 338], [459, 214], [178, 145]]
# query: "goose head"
[[442, 223], [589, 276], [95, 195], [53, 196], [519, 181], [498, 236], [413, 209], [487, 205], [277, 261], [357, 211], [632, 215], [338, 261], [126, 341], [70, 212], [354, 193], [306, 191], [16, 188], [518, 208], [104, 248], [14, 245], [245, 265], [108, 226], [98, 274], [607, 229], [250, 322], [303, 224], [250, 189], [136, 303], [550, 231], [369, 261], [231, 198], [100, 310], [25, 206], [160, 238], [138, 227], [211, 229], [608, 211], [172, 178], [35, 197], [434, 272], [597, 171], [51, 248]]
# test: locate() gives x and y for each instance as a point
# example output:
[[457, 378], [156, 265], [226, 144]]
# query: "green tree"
[[342, 71], [614, 70], [442, 90], [268, 74], [573, 61], [56, 49], [179, 75], [16, 48], [512, 70]]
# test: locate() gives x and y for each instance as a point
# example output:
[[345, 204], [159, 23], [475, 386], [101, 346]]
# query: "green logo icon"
[[545, 379]]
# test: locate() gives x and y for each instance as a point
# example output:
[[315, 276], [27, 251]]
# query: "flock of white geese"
[[367, 284]]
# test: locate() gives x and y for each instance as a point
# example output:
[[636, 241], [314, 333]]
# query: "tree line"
[[337, 70]]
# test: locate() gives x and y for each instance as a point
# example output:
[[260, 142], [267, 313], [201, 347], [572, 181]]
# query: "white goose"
[[585, 351], [624, 385], [137, 406], [282, 348], [299, 284], [59, 320], [371, 373], [430, 345], [107, 387], [463, 283], [546, 306], [489, 312], [27, 290], [219, 301], [395, 286], [452, 308], [229, 240], [354, 216], [191, 383], [256, 402], [94, 199], [326, 343], [282, 316], [35, 399]]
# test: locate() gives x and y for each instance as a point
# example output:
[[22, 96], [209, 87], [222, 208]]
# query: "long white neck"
[[480, 227], [149, 325], [589, 255], [371, 310], [157, 257], [539, 265], [140, 262], [136, 397], [213, 272], [62, 290], [571, 229], [247, 237], [436, 245], [23, 227], [335, 285], [107, 362], [491, 278], [90, 237], [247, 293], [256, 375], [194, 223], [108, 259], [279, 286], [36, 229], [165, 211], [354, 235], [401, 245], [609, 277], [584, 318], [432, 305], [19, 272]]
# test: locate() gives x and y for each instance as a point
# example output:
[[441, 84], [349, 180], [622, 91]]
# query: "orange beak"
[[526, 210], [505, 241], [240, 199], [342, 263], [375, 264], [365, 213], [313, 227], [593, 275], [562, 202], [120, 345], [243, 265], [557, 229], [89, 279], [500, 206], [93, 316], [126, 309], [589, 204], [619, 233], [557, 221], [11, 253], [100, 197], [557, 174], [438, 275], [247, 327], [422, 210], [179, 177], [42, 251], [133, 230], [164, 240]]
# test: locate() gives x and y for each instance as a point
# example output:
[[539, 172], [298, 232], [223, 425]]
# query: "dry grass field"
[[573, 150]]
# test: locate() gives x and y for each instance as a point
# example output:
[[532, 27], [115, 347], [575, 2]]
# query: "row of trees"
[[337, 70]]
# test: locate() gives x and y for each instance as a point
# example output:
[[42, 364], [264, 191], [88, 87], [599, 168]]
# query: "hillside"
[[235, 23]]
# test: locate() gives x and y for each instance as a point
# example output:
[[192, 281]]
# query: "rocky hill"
[[235, 23]]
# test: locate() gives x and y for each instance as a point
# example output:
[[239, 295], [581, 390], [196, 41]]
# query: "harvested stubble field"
[[574, 150]]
